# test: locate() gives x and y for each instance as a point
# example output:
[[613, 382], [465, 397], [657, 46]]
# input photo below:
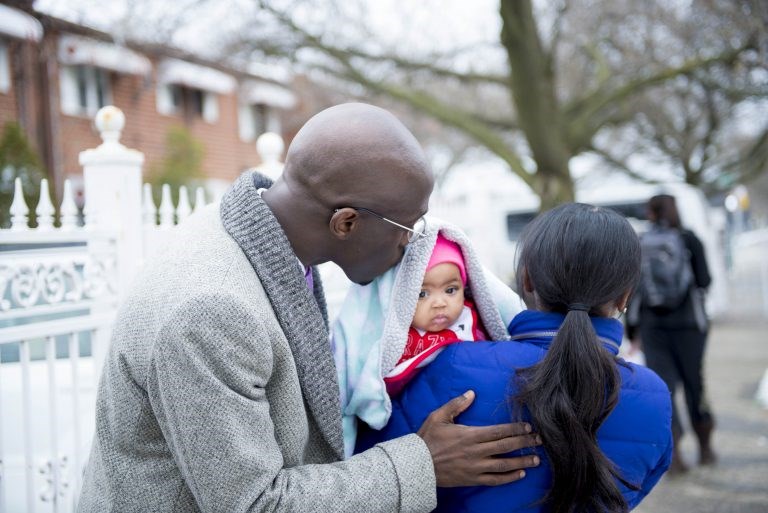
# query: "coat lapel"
[[304, 318]]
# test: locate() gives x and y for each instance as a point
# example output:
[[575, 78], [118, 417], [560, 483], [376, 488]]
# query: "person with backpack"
[[667, 317]]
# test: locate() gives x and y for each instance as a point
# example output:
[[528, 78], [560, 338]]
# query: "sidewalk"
[[737, 357]]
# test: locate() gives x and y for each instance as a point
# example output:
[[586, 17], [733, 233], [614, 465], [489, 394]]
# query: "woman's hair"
[[662, 209], [585, 256]]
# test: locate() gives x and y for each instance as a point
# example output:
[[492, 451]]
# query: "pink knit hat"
[[448, 251]]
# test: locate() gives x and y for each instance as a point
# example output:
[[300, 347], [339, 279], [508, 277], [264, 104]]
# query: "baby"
[[387, 330], [443, 314]]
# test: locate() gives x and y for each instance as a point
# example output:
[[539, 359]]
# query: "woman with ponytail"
[[604, 423]]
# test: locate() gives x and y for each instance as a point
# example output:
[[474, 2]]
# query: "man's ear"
[[343, 222]]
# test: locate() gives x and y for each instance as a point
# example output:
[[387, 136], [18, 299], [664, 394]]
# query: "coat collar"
[[541, 327], [303, 318]]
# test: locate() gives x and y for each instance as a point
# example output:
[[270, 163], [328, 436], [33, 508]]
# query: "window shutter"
[[5, 68], [246, 123], [273, 121], [70, 103], [164, 100], [210, 107]]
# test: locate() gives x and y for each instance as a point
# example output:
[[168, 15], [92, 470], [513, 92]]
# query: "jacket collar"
[[541, 327], [303, 318]]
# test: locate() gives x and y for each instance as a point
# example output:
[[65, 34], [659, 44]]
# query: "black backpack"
[[666, 274]]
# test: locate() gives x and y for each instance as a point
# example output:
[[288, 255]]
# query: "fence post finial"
[[19, 208], [166, 207], [68, 209], [45, 210], [199, 199], [149, 210], [183, 209], [110, 122]]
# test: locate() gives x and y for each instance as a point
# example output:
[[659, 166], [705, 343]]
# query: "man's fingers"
[[506, 465], [498, 431], [500, 479], [449, 411], [507, 445]]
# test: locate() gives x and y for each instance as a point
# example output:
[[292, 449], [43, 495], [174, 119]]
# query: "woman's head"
[[578, 254], [662, 209]]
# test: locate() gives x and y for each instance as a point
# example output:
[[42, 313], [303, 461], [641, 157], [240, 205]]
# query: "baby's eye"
[[451, 290], [423, 294]]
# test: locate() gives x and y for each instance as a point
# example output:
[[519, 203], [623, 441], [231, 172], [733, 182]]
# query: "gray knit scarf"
[[304, 318]]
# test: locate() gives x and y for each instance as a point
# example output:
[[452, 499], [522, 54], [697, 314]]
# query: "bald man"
[[219, 392]]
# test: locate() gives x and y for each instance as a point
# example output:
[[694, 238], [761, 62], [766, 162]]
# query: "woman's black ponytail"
[[577, 258]]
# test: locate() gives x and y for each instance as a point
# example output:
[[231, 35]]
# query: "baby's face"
[[441, 298]]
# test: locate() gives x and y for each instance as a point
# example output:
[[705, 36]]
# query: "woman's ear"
[[528, 294], [527, 284], [621, 304]]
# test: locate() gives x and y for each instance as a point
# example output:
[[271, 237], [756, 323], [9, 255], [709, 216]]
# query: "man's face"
[[376, 244], [441, 298], [377, 247]]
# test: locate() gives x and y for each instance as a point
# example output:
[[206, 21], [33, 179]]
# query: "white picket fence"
[[60, 284]]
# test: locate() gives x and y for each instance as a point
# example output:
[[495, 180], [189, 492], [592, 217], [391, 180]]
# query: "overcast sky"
[[418, 27], [425, 25]]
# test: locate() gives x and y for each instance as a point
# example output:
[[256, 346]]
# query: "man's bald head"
[[351, 172], [357, 154]]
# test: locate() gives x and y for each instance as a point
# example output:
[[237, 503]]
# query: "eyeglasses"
[[419, 227]]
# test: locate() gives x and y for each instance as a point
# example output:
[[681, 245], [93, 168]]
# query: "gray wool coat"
[[219, 392]]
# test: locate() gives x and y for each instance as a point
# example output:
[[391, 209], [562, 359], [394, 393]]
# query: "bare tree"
[[694, 124], [613, 77], [561, 83]]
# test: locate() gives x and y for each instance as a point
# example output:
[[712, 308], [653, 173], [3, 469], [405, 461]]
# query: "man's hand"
[[467, 456]]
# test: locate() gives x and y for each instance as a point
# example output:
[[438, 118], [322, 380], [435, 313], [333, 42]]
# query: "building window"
[[255, 119], [84, 90], [196, 99], [5, 68], [169, 99], [174, 99]]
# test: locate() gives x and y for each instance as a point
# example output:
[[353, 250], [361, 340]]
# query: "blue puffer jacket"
[[636, 436]]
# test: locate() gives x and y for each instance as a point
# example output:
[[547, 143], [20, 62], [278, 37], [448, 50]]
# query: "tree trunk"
[[538, 111], [553, 189]]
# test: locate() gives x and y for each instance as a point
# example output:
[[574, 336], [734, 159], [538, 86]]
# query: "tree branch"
[[583, 117], [619, 165], [753, 162], [399, 61], [714, 125], [448, 114], [410, 65]]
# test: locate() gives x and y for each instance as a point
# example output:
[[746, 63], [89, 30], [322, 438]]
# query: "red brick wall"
[[146, 129], [8, 110], [21, 103]]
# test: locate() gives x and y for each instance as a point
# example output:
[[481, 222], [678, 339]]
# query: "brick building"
[[55, 75]]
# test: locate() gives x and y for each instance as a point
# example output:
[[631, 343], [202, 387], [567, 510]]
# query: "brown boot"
[[703, 432], [677, 466]]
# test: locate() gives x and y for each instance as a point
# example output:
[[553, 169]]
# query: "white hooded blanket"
[[371, 331]]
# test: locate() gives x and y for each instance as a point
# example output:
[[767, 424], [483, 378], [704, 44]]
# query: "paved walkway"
[[736, 359]]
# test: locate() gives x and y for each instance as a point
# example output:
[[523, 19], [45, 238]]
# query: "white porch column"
[[112, 180]]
